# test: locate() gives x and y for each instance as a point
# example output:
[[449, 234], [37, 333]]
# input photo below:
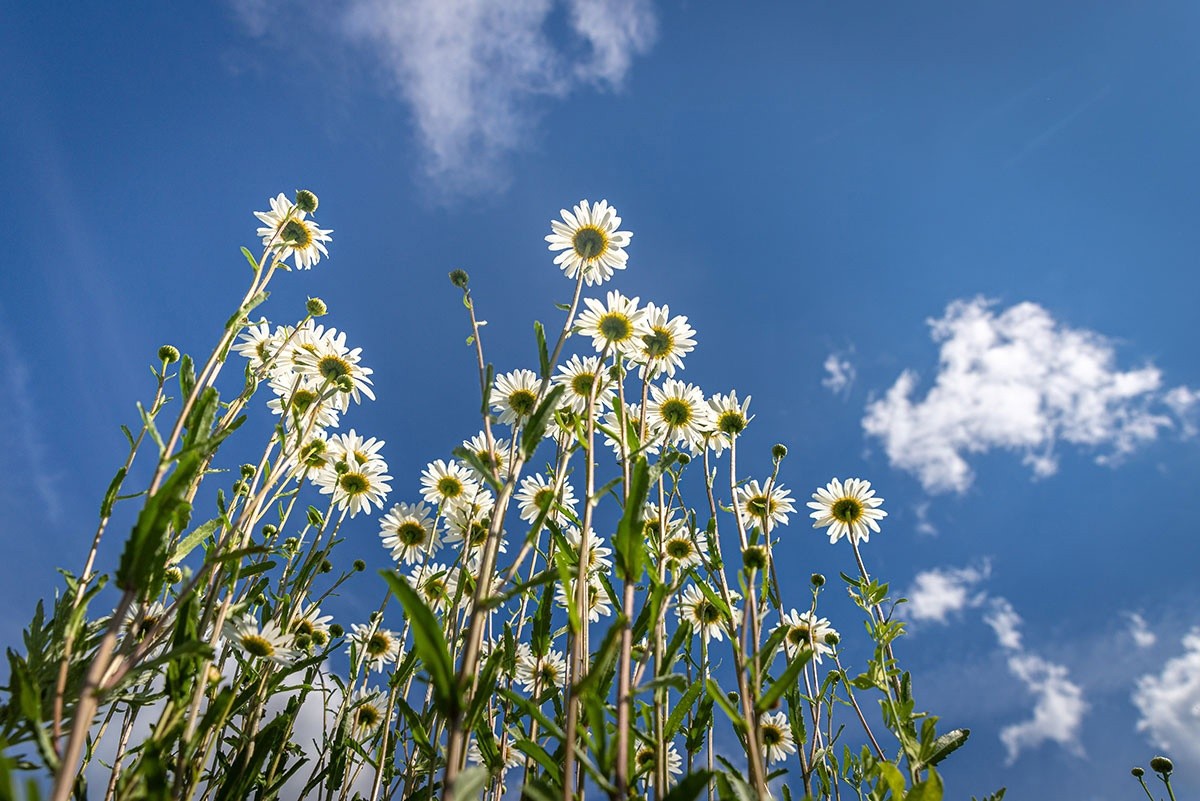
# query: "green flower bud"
[[817, 580], [344, 383], [173, 575], [459, 278], [319, 638], [303, 641], [291, 545], [306, 201], [1160, 764], [684, 458], [316, 307], [359, 565], [168, 354], [240, 488], [325, 567], [341, 467], [248, 471], [832, 638], [336, 630], [755, 557], [778, 452], [269, 531], [1138, 773]]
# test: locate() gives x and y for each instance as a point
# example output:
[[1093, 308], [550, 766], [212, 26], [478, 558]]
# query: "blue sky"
[[814, 185]]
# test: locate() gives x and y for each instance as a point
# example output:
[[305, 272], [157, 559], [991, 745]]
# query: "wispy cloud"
[[1018, 380], [839, 374], [1139, 630], [31, 471], [472, 71], [1059, 705], [939, 593], [1169, 702]]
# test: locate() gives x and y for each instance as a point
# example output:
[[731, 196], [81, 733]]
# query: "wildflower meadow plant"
[[581, 599]]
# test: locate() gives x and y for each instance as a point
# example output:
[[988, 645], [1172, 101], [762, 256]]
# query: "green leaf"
[[947, 744], [469, 783], [690, 786], [531, 436], [539, 755], [630, 543], [893, 779], [110, 495], [605, 656], [152, 430], [543, 352], [928, 790], [785, 682], [144, 558], [682, 707], [187, 375], [250, 258], [198, 535], [722, 700], [428, 642]]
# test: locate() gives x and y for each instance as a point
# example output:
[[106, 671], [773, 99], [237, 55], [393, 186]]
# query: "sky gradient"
[[946, 247]]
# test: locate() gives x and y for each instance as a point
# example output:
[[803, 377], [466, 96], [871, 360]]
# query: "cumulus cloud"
[[839, 374], [472, 71], [1059, 705], [1169, 702], [1140, 631], [938, 593], [1018, 380]]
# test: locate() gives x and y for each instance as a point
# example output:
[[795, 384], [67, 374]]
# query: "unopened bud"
[[778, 452], [1160, 764], [168, 354], [316, 307], [248, 471], [817, 580], [359, 565], [1138, 773], [173, 575], [269, 531], [755, 557], [336, 630], [459, 278], [325, 567], [306, 201]]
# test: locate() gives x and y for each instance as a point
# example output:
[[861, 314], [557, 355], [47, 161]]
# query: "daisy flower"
[[357, 489], [805, 629], [677, 414], [633, 413], [436, 583], [589, 241], [662, 341], [656, 521], [257, 344], [377, 647], [288, 233], [510, 757], [686, 549], [538, 674], [848, 509], [729, 419], [307, 621], [645, 762], [579, 378], [367, 710], [265, 642], [598, 601], [758, 506], [538, 494], [598, 554], [408, 532], [305, 399], [496, 457], [328, 360], [777, 736], [469, 525], [705, 617], [515, 396], [613, 325], [354, 450], [446, 484]]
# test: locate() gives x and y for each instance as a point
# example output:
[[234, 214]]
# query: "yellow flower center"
[[257, 645], [590, 242], [296, 234], [659, 343], [411, 533], [522, 402], [354, 483], [615, 327], [847, 510]]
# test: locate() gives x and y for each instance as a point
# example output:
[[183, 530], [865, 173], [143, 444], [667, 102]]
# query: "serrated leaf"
[[110, 495], [947, 744]]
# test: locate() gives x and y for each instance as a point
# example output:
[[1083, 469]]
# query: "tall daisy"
[[538, 494], [777, 736], [308, 622], [515, 396], [307, 401], [583, 379], [470, 525], [677, 414], [758, 506], [355, 450], [613, 325], [599, 604], [496, 457], [329, 361], [645, 762], [367, 710], [289, 234], [445, 484], [729, 419], [806, 630], [377, 647], [358, 488], [704, 616], [685, 549], [847, 509], [436, 583], [589, 242], [260, 642], [540, 673], [408, 532], [662, 341]]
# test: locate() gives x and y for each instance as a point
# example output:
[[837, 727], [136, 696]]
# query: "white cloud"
[[924, 524], [1140, 631], [27, 467], [1169, 702], [936, 594], [1184, 402], [839, 374], [1058, 707], [471, 70], [1021, 381]]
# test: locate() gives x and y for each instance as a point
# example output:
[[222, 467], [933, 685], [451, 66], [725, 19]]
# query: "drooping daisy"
[[848, 509], [704, 616], [286, 231], [777, 736], [645, 762], [685, 549], [662, 341], [599, 555], [330, 361], [358, 488], [307, 621], [306, 400], [677, 414], [589, 241], [729, 419], [436, 583], [538, 494], [265, 642], [367, 710], [538, 674], [354, 450], [497, 456], [377, 647], [758, 507], [408, 532], [582, 379], [599, 604], [806, 630], [446, 484], [515, 396], [257, 344], [613, 326]]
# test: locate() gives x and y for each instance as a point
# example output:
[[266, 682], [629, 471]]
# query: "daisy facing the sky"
[[589, 242], [848, 509], [289, 234], [612, 325], [758, 506]]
